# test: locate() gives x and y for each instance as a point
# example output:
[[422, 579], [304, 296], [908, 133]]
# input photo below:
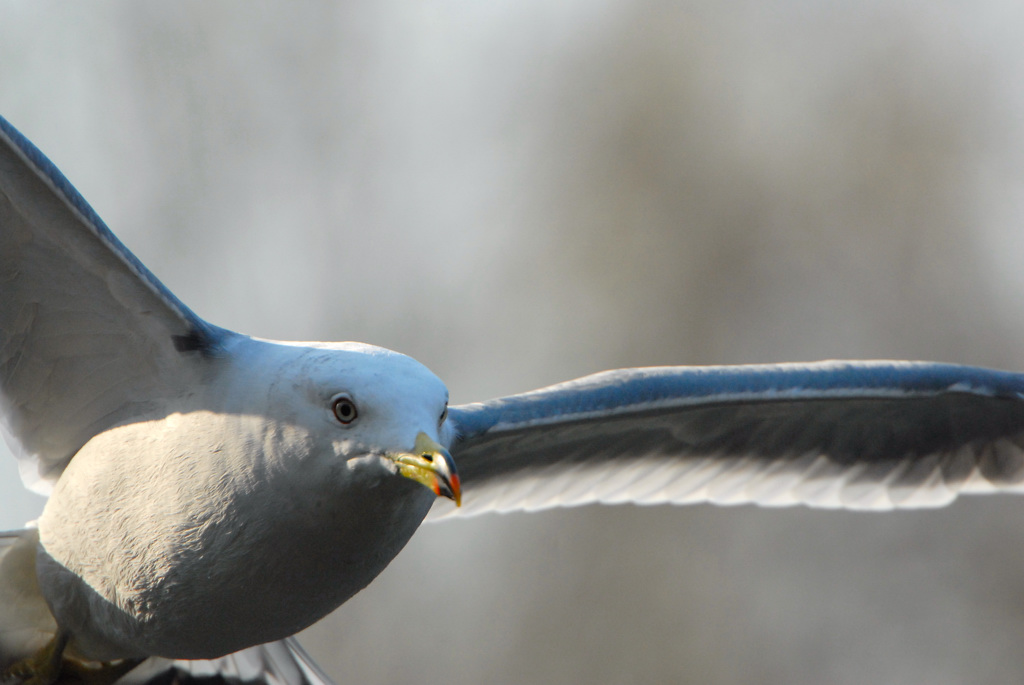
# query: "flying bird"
[[211, 494]]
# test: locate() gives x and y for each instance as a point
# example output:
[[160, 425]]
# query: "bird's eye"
[[444, 415], [344, 409]]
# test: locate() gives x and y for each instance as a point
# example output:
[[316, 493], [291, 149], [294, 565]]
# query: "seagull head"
[[368, 407]]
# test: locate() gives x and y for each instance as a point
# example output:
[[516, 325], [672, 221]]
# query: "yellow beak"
[[430, 465]]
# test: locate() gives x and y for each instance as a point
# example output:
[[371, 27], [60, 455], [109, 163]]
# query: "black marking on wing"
[[194, 341]]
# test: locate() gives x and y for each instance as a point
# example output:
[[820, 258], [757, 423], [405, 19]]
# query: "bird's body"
[[150, 534], [214, 493]]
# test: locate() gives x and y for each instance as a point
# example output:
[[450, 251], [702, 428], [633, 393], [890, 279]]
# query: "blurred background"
[[518, 193]]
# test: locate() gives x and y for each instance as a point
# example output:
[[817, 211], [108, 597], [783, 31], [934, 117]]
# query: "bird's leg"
[[49, 666], [43, 667]]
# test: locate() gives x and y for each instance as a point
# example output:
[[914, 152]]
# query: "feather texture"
[[86, 330], [854, 435]]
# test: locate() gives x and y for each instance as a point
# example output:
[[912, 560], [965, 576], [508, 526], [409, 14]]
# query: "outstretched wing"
[[88, 336], [855, 435]]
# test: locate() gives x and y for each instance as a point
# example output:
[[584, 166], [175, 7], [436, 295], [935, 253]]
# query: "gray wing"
[[88, 336], [277, 663], [855, 435]]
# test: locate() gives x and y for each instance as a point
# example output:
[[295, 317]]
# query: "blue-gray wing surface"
[[855, 435], [88, 336]]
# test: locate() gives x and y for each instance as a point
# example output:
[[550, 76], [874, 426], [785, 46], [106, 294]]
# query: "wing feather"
[[276, 663], [88, 336], [852, 435]]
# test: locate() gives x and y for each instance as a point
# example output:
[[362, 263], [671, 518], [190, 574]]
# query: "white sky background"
[[518, 193]]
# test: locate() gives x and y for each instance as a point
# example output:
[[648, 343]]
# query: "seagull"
[[211, 494]]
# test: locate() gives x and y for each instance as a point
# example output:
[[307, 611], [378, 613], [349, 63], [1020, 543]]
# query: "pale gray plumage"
[[277, 663], [72, 293], [853, 435], [98, 360], [119, 399]]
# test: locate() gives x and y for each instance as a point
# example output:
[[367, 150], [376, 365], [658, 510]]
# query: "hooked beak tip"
[[446, 480], [453, 491]]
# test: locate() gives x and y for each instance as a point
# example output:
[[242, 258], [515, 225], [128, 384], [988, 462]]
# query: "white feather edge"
[[811, 480]]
